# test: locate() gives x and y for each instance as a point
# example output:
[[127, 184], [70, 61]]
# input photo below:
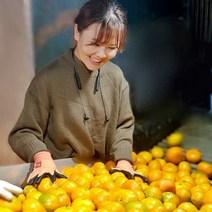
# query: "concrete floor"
[[197, 131]]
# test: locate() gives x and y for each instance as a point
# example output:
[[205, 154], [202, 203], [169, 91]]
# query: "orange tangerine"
[[197, 197], [119, 181], [142, 169], [160, 208], [174, 154], [134, 157], [83, 182], [34, 194], [74, 176], [162, 161], [188, 206], [94, 192], [135, 206], [184, 165], [193, 155], [170, 206], [80, 192], [154, 164], [146, 155], [68, 171], [187, 180], [201, 180], [205, 167], [140, 194], [169, 175], [151, 202], [132, 184], [170, 167], [45, 184], [207, 197], [110, 164], [154, 175], [29, 188], [182, 173], [174, 139], [68, 186], [115, 175], [206, 208], [157, 152], [108, 185], [102, 197], [184, 194], [170, 197], [166, 185], [112, 206], [100, 171], [88, 175], [59, 181], [153, 191], [80, 167], [124, 195], [84, 202], [205, 186]]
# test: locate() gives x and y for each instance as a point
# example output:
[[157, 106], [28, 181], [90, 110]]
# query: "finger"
[[44, 175], [32, 180], [12, 188], [142, 177], [6, 194], [126, 173], [59, 175], [52, 177]]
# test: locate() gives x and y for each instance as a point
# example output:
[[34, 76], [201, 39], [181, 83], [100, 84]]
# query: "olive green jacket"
[[53, 115]]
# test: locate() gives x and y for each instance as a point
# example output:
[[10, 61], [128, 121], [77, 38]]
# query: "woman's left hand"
[[127, 169]]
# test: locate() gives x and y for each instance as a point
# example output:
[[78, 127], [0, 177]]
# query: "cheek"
[[112, 54]]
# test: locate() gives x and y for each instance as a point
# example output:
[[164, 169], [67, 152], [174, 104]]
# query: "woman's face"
[[91, 54]]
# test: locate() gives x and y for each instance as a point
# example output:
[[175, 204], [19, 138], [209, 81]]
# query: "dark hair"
[[111, 17]]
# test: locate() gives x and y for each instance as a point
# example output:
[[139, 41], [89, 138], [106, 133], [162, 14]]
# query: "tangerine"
[[193, 155], [154, 164], [174, 139], [110, 164], [166, 185], [170, 197], [132, 184], [157, 152], [146, 155], [153, 191], [205, 167], [206, 208], [154, 175], [174, 154], [184, 194], [170, 167], [197, 197], [188, 206], [207, 197]]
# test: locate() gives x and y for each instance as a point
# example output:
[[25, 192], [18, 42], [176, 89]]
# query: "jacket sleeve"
[[26, 138], [123, 141]]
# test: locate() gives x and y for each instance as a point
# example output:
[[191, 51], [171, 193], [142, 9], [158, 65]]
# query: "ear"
[[76, 32]]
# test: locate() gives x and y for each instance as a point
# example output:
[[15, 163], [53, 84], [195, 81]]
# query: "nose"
[[101, 53]]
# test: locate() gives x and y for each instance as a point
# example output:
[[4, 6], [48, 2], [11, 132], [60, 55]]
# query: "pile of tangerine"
[[173, 186]]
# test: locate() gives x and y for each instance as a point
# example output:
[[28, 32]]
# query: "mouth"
[[95, 61]]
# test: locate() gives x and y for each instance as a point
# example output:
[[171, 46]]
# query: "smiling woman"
[[78, 106]]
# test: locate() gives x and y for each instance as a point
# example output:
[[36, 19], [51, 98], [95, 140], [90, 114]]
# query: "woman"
[[78, 106]]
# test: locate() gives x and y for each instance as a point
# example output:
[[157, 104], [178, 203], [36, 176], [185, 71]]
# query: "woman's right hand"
[[44, 166]]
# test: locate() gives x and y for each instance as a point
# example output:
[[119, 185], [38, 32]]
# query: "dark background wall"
[[167, 59]]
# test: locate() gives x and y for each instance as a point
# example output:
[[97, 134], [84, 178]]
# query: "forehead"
[[96, 33]]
